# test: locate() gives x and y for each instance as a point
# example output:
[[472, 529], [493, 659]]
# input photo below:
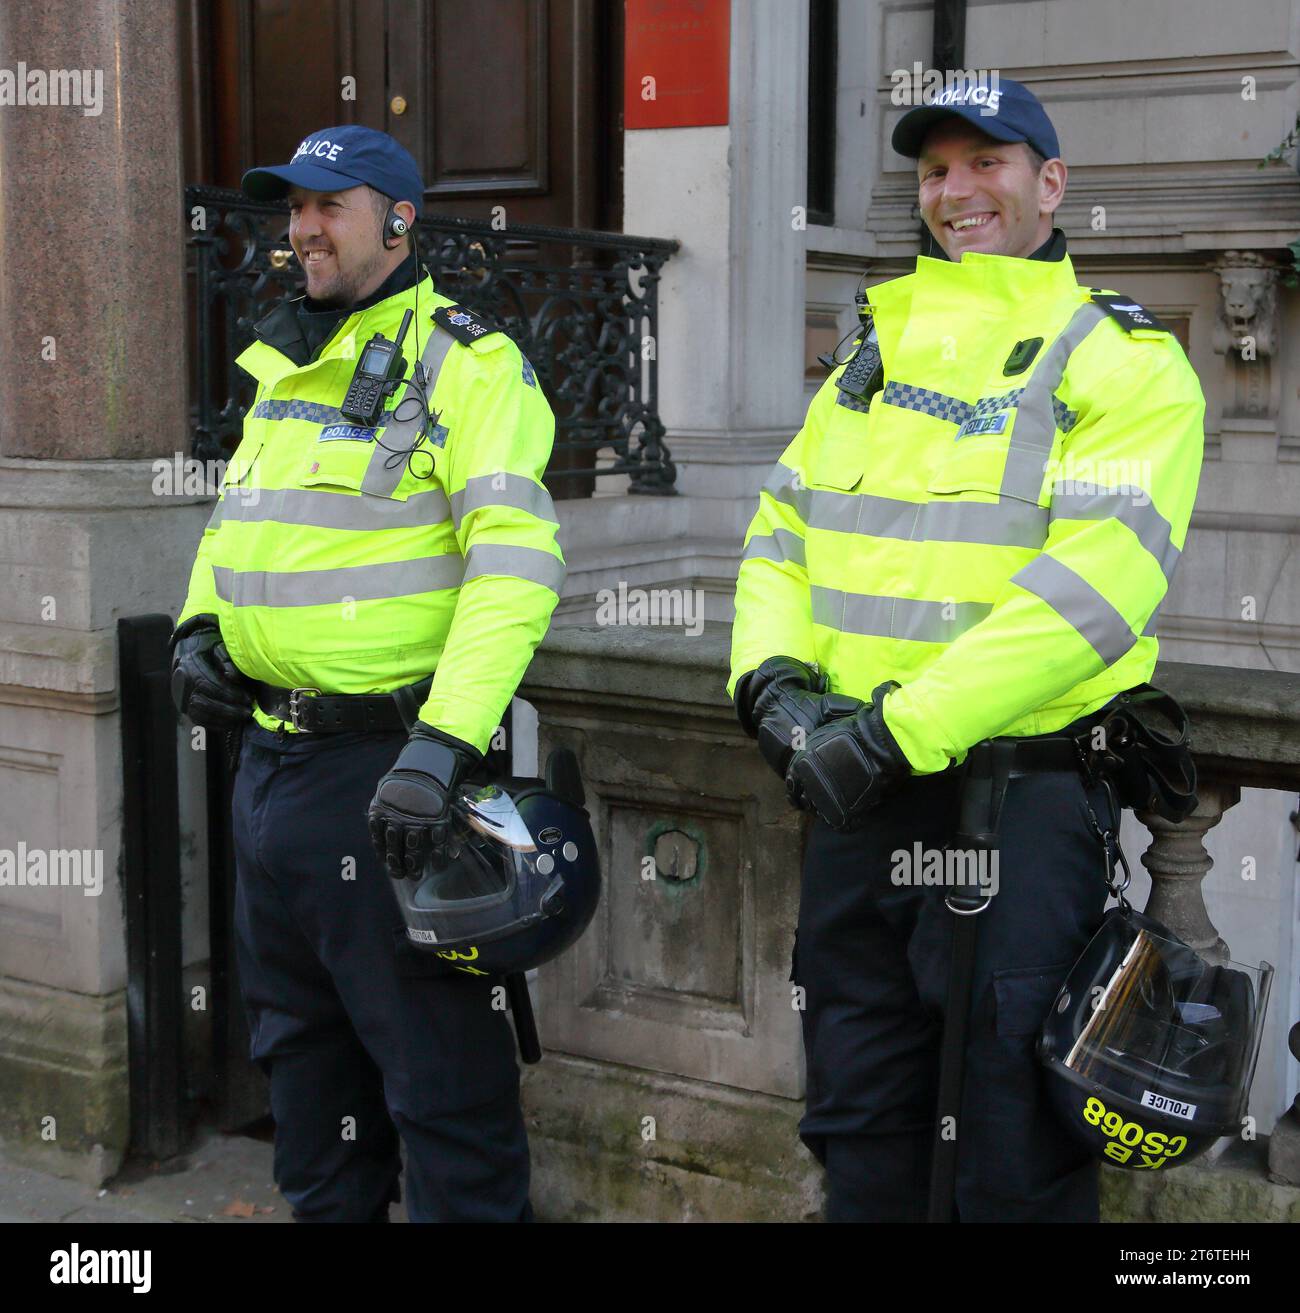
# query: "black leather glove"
[[848, 766], [207, 686], [781, 703], [410, 814]]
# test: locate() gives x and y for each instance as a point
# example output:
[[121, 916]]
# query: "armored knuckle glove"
[[849, 765], [206, 684], [794, 718], [410, 814], [755, 690], [781, 703]]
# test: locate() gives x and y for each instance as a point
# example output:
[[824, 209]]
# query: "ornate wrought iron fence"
[[583, 306]]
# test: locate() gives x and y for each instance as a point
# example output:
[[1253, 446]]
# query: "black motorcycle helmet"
[[520, 881], [1150, 1049]]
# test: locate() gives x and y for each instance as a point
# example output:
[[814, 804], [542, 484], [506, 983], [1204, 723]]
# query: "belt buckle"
[[296, 709]]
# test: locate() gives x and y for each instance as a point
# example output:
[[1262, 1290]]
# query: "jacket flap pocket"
[[339, 465], [841, 457], [982, 466], [241, 462]]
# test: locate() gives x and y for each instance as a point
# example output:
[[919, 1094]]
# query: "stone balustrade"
[[673, 1080]]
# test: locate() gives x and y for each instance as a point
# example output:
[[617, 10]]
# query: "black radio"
[[378, 372]]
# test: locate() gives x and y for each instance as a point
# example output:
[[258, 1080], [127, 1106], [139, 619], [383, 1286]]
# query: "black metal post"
[[151, 879], [240, 1091]]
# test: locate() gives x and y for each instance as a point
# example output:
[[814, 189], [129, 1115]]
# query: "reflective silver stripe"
[[361, 583], [1134, 509], [1080, 605], [529, 563], [1031, 440], [217, 512], [895, 617], [828, 509], [381, 477], [1007, 523], [338, 510], [780, 546], [780, 486], [519, 492]]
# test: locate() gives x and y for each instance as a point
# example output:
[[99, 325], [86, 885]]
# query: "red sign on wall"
[[676, 56]]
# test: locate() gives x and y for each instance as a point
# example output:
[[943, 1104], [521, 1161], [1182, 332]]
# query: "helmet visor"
[[1163, 1027], [486, 885]]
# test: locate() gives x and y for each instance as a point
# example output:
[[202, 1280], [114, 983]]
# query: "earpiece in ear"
[[395, 227]]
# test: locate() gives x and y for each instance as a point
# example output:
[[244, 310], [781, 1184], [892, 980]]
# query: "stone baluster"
[[1178, 861]]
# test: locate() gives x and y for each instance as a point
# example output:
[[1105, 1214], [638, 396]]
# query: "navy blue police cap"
[[335, 159], [1005, 110]]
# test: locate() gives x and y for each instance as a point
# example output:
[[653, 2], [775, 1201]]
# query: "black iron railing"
[[583, 307]]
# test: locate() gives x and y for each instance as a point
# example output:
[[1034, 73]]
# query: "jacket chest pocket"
[[240, 465], [987, 491], [355, 489], [974, 465], [352, 468], [841, 457]]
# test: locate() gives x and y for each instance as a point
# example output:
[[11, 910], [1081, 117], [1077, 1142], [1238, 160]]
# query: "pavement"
[[223, 1178]]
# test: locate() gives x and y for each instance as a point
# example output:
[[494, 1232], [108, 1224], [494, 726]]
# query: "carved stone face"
[[1245, 292]]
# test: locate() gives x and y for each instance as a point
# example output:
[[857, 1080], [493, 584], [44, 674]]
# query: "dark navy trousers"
[[872, 956], [363, 1037]]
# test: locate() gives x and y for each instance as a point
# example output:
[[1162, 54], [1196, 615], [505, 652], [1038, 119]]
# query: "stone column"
[[92, 334], [731, 319]]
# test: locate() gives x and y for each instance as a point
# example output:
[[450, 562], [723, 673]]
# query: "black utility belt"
[[310, 711], [1140, 743], [1049, 752]]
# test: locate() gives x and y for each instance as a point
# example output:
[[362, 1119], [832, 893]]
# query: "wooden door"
[[513, 103]]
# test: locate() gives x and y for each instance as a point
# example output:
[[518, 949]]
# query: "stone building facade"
[[1163, 110]]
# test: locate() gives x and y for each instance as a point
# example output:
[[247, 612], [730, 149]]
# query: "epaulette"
[[1130, 316], [464, 325]]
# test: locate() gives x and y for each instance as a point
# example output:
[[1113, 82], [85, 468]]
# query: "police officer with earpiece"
[[378, 570], [969, 539]]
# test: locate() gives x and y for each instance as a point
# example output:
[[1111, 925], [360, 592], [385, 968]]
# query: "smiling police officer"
[[365, 575], [968, 539]]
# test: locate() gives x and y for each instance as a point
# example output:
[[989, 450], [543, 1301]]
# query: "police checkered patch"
[[908, 396]]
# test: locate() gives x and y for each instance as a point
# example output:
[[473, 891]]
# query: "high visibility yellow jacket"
[[332, 563], [996, 542]]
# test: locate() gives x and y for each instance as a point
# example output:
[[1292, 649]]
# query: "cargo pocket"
[[1023, 1147]]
